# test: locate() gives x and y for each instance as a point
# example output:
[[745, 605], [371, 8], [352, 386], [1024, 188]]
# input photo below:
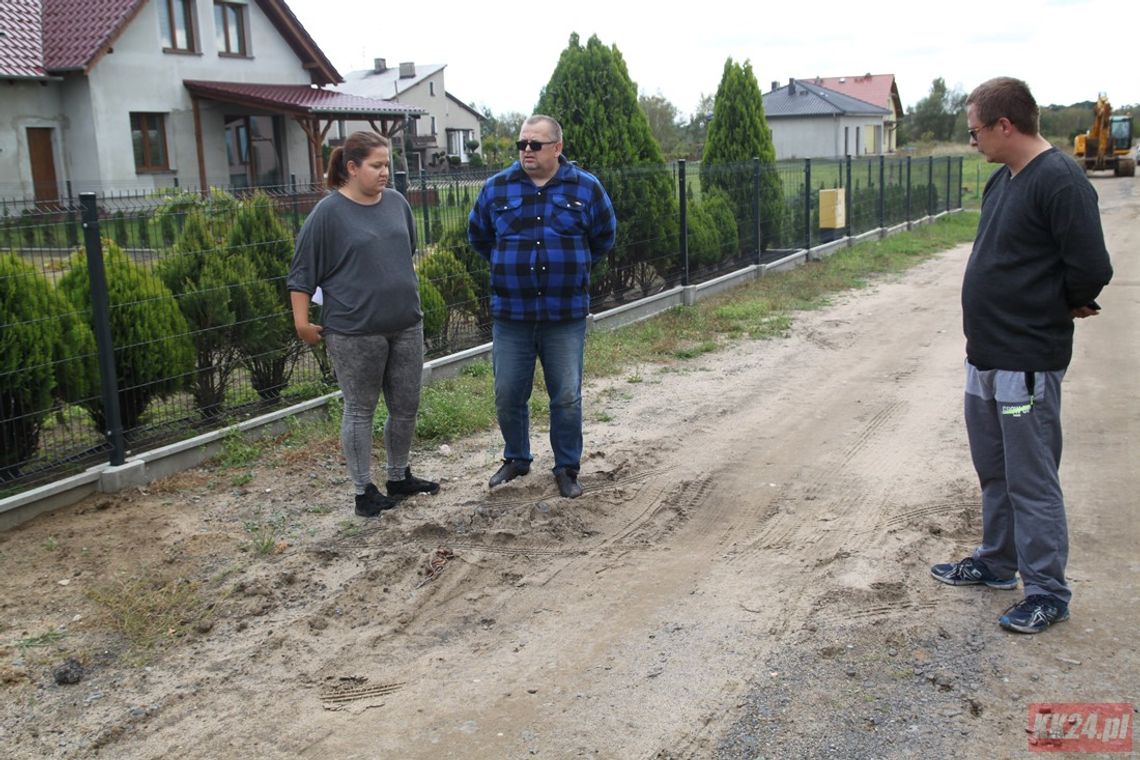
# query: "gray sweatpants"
[[365, 365], [1015, 442]]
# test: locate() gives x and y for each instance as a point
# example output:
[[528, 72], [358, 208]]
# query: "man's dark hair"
[[1005, 97]]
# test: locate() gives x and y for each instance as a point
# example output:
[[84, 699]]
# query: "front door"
[[253, 150], [42, 155]]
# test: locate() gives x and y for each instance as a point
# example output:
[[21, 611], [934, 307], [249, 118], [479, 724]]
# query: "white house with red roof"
[[834, 116], [128, 95]]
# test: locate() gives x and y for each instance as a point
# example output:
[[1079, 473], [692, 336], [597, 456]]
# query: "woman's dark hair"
[[356, 149]]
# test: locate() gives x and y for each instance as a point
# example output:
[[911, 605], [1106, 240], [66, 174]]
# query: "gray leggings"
[[366, 365]]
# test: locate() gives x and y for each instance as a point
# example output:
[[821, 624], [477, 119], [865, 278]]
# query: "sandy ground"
[[745, 575]]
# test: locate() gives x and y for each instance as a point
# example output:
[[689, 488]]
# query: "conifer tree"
[[211, 286], [738, 133], [268, 344], [606, 133], [39, 337], [153, 352]]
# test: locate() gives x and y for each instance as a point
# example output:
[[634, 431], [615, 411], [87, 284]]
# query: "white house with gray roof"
[[811, 121], [435, 138]]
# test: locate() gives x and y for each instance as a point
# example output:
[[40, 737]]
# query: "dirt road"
[[745, 576]]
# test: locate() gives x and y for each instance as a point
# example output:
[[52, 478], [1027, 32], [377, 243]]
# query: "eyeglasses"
[[974, 132], [534, 145]]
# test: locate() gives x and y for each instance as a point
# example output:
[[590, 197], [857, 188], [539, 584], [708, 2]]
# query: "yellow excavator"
[[1108, 143]]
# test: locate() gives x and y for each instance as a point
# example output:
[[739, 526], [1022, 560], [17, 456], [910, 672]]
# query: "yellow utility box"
[[832, 209]]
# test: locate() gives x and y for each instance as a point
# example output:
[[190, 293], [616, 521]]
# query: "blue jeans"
[[560, 347]]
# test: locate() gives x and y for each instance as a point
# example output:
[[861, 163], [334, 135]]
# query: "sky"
[[501, 55]]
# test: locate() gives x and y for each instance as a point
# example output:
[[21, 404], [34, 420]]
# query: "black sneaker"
[[970, 572], [371, 503], [1034, 614], [410, 485]]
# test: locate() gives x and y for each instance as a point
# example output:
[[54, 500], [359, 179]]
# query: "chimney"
[[407, 70], [379, 65], [775, 85], [791, 86]]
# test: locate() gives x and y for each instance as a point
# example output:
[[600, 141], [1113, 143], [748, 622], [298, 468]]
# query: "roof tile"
[[21, 39], [75, 30]]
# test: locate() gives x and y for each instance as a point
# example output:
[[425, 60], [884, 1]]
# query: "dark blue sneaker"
[[970, 572], [1034, 614]]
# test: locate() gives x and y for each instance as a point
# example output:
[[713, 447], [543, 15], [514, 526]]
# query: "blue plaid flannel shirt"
[[542, 241]]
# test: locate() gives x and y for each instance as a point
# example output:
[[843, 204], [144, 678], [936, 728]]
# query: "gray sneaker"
[[1034, 614], [970, 572]]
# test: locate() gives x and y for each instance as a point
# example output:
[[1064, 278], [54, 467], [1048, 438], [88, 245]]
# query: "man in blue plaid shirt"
[[542, 223]]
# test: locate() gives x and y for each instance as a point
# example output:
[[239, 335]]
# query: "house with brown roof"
[[834, 117], [113, 95]]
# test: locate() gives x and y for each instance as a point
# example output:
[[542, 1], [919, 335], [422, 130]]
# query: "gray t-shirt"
[[361, 258]]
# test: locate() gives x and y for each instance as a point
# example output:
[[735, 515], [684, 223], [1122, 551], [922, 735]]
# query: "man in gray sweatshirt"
[[1038, 263]]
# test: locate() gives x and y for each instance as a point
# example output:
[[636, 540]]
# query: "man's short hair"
[[555, 127], [1008, 97]]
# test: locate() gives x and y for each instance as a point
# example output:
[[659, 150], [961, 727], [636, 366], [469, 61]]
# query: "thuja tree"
[[738, 133], [454, 241], [213, 291], [453, 283], [605, 132], [41, 333], [268, 344], [153, 351]]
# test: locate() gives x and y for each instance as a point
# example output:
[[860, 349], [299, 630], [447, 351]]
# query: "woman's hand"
[[309, 333]]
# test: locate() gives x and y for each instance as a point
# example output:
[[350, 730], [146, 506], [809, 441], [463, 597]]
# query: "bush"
[[703, 244], [451, 279], [719, 208], [39, 333], [268, 344], [454, 240], [211, 288], [435, 311], [153, 352], [219, 207]]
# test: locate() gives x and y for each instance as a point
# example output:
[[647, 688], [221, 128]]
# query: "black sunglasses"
[[534, 145], [974, 132]]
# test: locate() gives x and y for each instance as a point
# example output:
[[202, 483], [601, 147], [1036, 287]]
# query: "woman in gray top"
[[357, 247]]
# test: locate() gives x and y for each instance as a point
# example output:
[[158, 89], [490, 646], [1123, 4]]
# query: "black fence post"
[[949, 177], [909, 211], [882, 191], [101, 322], [757, 207], [424, 206], [684, 222], [72, 221], [961, 177], [848, 199], [930, 186], [402, 182], [807, 203]]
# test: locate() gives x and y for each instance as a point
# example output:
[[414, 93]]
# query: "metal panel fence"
[[133, 320]]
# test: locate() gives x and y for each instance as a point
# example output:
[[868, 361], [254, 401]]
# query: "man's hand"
[[1084, 311], [309, 333]]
